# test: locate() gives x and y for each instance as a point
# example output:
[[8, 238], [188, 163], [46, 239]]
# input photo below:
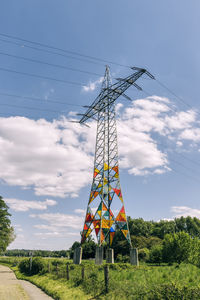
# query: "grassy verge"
[[146, 282], [57, 288]]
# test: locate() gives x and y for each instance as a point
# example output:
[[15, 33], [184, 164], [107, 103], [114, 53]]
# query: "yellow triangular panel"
[[88, 232], [105, 181], [106, 167], [125, 232]]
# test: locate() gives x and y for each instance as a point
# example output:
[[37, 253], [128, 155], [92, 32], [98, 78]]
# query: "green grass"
[[146, 282], [58, 288]]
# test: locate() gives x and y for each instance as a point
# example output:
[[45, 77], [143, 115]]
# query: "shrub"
[[122, 258], [143, 254], [24, 266], [156, 254], [38, 266], [177, 247]]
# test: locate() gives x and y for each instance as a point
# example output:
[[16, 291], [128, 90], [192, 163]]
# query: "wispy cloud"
[[24, 205], [58, 220], [185, 211], [92, 85]]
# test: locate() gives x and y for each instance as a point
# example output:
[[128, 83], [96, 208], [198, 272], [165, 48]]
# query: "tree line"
[[162, 241]]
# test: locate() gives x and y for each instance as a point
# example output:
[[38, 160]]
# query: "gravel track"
[[13, 289]]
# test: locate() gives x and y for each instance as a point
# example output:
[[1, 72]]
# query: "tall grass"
[[126, 281]]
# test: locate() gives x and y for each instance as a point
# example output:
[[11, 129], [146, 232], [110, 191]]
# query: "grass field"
[[125, 281]]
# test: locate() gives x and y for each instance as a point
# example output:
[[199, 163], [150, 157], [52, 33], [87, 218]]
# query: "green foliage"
[[143, 254], [42, 253], [122, 258], [150, 282], [89, 248], [6, 230], [24, 266], [177, 247], [156, 254], [33, 266]]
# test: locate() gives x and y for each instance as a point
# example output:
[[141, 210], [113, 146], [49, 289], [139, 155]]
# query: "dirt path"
[[14, 289]]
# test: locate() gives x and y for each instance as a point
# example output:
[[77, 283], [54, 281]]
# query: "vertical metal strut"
[[106, 182]]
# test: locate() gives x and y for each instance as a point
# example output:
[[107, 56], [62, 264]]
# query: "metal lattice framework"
[[106, 183]]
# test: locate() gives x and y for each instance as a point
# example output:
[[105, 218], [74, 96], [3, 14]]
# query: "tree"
[[6, 230], [156, 254], [177, 247]]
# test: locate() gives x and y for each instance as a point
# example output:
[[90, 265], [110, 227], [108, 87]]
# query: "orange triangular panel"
[[111, 237], [104, 207], [96, 171], [102, 236], [115, 169], [121, 218]]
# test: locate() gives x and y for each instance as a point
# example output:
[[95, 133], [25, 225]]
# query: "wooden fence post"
[[49, 268], [57, 269], [67, 269], [30, 266], [106, 278], [83, 272]]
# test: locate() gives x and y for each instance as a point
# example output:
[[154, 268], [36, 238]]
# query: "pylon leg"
[[77, 256], [134, 257], [99, 255], [110, 256]]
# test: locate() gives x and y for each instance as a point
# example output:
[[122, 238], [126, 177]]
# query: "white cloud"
[[24, 205], [79, 211], [181, 120], [58, 220], [18, 228], [192, 134], [92, 85], [55, 234], [45, 155], [57, 225], [185, 211], [56, 158]]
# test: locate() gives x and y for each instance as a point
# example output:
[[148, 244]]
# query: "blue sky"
[[46, 161]]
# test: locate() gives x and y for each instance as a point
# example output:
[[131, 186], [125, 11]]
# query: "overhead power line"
[[42, 77], [48, 64], [49, 51], [62, 50], [30, 108], [78, 54], [38, 99], [182, 165], [171, 92]]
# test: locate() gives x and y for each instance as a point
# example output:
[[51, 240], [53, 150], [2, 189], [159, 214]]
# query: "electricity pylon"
[[106, 183]]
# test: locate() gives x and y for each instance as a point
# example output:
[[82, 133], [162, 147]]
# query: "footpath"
[[13, 289]]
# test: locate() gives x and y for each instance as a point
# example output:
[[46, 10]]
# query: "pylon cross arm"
[[112, 92]]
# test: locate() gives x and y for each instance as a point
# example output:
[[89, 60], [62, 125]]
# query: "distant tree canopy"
[[43, 253], [145, 235], [163, 241], [6, 230], [148, 234]]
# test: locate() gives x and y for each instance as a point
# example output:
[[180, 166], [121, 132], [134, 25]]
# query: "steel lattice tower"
[[106, 183]]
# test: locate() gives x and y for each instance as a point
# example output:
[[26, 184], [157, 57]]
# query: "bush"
[[156, 254], [177, 247], [122, 258], [38, 266], [143, 254]]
